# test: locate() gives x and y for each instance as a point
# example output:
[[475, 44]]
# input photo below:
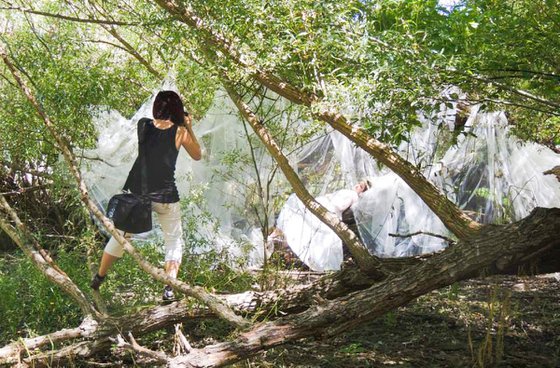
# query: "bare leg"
[[171, 268], [107, 261]]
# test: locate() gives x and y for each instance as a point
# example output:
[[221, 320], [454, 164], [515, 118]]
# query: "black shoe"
[[168, 294], [96, 281]]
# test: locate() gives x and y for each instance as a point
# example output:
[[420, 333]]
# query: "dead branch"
[[449, 240], [98, 334], [144, 355], [182, 345], [11, 353]]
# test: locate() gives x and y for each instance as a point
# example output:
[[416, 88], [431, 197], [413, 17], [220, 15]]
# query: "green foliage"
[[379, 62], [128, 287], [453, 291], [487, 43], [27, 293], [353, 348], [385, 60]]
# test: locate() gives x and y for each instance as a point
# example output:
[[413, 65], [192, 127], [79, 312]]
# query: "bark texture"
[[499, 247]]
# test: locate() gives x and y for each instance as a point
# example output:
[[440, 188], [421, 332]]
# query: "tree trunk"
[[499, 247]]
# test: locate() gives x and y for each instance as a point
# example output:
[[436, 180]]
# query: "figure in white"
[[309, 238]]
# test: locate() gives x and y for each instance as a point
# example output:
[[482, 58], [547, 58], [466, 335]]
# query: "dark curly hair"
[[168, 106]]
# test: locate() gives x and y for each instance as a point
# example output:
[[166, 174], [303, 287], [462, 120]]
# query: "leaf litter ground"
[[500, 321]]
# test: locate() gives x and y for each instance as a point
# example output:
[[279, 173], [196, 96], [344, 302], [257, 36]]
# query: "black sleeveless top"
[[160, 158]]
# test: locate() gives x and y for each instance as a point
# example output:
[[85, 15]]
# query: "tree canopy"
[[364, 68]]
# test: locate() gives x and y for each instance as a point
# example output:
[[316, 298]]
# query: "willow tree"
[[386, 59]]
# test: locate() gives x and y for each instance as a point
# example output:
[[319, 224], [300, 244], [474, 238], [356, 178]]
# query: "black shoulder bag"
[[130, 212]]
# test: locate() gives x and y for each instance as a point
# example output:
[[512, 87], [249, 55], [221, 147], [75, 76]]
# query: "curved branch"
[[367, 262], [69, 18], [42, 260], [132, 51]]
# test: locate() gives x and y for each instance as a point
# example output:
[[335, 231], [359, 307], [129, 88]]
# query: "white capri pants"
[[169, 217]]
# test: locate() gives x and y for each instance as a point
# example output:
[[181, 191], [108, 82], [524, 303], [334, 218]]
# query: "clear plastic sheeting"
[[493, 176], [489, 173], [213, 190], [391, 208]]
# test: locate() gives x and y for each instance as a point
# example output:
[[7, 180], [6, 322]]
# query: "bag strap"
[[141, 131]]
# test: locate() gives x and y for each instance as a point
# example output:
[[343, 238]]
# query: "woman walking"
[[162, 138]]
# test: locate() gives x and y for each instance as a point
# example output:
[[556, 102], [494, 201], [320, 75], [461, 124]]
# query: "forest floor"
[[501, 321]]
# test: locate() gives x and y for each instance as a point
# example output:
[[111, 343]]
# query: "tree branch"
[[453, 218], [450, 241], [494, 246], [24, 190], [367, 262], [68, 18], [197, 292], [42, 260], [523, 71], [132, 51], [511, 89], [11, 353], [146, 356]]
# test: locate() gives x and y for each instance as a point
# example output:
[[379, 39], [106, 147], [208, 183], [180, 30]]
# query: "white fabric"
[[309, 238], [488, 172], [169, 217]]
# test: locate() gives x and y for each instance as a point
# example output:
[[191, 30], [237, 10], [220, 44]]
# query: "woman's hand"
[[186, 138], [188, 122]]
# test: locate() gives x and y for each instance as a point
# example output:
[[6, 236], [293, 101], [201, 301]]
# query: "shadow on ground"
[[491, 322]]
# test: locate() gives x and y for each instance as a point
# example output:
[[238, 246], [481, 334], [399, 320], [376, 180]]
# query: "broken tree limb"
[[145, 355], [540, 230], [96, 335], [13, 352]]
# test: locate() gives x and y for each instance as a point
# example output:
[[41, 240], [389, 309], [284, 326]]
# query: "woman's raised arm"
[[187, 139]]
